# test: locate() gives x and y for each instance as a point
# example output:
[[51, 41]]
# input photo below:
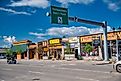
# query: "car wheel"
[[14, 62], [118, 68], [9, 62]]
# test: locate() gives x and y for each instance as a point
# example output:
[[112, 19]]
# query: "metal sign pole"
[[105, 42]]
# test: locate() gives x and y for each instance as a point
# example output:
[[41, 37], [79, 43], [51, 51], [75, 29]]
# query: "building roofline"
[[99, 33]]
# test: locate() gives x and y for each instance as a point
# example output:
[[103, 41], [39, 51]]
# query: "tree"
[[18, 50], [9, 52], [88, 48], [68, 48]]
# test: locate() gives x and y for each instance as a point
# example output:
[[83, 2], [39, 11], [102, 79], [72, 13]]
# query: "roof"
[[22, 42], [21, 48], [98, 33]]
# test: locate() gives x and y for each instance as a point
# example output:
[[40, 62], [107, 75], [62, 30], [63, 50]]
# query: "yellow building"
[[97, 42], [55, 48]]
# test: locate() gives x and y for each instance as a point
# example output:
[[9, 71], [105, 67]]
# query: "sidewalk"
[[78, 61], [84, 61], [3, 60]]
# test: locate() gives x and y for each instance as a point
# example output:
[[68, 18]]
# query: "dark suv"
[[11, 59]]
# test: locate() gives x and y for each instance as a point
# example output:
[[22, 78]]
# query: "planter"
[[69, 56]]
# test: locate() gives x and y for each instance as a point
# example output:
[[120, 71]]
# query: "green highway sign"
[[59, 15]]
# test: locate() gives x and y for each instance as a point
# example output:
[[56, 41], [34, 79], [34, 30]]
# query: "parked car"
[[117, 66], [11, 59], [2, 56]]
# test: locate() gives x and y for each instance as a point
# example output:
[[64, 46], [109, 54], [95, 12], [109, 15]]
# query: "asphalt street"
[[57, 71]]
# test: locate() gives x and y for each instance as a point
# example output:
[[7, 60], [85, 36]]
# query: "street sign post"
[[59, 15]]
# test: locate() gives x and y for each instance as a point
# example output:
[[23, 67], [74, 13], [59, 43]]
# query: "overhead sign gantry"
[[60, 16]]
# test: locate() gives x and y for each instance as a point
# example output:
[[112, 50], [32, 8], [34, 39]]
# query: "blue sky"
[[26, 19]]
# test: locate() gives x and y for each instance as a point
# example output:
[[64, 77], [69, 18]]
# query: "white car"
[[117, 66]]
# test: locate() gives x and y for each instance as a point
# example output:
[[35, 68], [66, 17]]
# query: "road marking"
[[83, 70], [89, 79], [52, 65], [2, 80], [35, 72], [7, 69], [72, 64]]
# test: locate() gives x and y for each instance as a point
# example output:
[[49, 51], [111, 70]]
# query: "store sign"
[[56, 47], [119, 35], [110, 36], [54, 41], [59, 15], [21, 42], [45, 49], [73, 39], [86, 39], [72, 45], [65, 39]]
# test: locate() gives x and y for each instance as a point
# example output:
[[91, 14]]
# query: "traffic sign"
[[59, 15]]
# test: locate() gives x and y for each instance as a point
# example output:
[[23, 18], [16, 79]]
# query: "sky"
[[27, 20]]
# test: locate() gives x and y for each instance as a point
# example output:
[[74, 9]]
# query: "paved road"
[[57, 71]]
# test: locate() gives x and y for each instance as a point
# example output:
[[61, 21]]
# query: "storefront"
[[90, 46], [55, 48], [40, 50], [97, 43], [21, 49], [45, 52], [114, 44], [33, 51], [73, 41]]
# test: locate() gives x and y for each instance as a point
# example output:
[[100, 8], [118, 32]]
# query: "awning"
[[19, 48]]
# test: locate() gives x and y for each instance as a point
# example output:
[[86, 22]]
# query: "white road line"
[[87, 79], [52, 65], [2, 80], [7, 69], [84, 70], [35, 72], [72, 64]]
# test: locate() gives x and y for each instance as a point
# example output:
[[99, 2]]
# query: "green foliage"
[[88, 48], [68, 49], [9, 52], [18, 50]]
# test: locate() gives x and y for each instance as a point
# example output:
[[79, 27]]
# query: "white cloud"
[[66, 2], [9, 39], [31, 3], [37, 34], [13, 11], [68, 31], [98, 30], [114, 6], [40, 29]]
